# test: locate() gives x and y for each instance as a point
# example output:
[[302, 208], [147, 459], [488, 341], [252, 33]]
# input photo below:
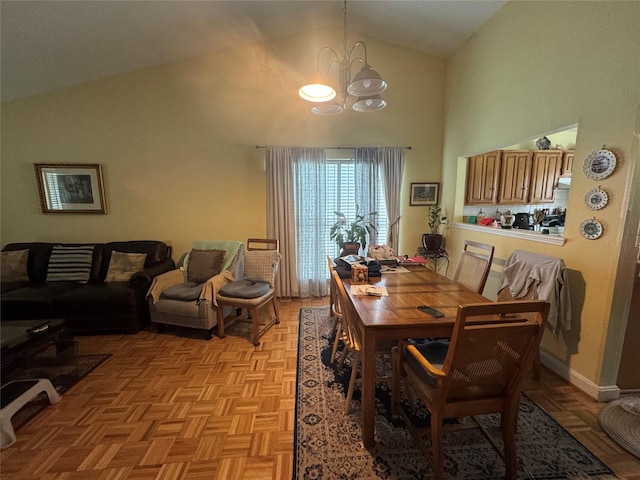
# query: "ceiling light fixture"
[[367, 85]]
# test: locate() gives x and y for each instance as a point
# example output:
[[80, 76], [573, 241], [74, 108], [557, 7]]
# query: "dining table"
[[395, 316]]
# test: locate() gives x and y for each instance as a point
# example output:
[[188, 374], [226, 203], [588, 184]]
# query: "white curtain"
[[296, 208], [295, 212], [392, 165], [367, 176], [388, 162]]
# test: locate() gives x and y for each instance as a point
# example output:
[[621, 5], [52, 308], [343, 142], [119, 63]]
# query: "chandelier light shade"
[[327, 109], [317, 92], [369, 104], [367, 85]]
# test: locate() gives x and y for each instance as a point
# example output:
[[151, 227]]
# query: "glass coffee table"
[[24, 340]]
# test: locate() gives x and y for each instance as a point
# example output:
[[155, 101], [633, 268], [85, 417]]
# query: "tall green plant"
[[356, 231], [435, 218]]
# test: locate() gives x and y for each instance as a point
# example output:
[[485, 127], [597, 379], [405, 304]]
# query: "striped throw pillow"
[[70, 264]]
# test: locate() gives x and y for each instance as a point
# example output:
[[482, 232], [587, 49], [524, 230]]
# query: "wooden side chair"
[[352, 340], [474, 265], [335, 310], [256, 291], [479, 371]]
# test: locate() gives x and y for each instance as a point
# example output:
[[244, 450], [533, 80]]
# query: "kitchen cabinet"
[[515, 177], [483, 174], [567, 163], [545, 171]]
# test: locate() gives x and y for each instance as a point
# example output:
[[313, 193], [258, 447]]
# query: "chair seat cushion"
[[187, 291], [245, 289], [435, 351]]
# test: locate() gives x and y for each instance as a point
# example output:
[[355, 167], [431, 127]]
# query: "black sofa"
[[92, 307]]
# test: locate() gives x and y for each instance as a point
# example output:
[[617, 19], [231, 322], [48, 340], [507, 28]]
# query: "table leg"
[[368, 356]]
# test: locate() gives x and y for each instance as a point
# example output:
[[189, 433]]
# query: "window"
[[341, 197], [305, 188]]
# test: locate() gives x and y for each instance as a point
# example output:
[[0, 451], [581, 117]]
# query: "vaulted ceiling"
[[46, 45]]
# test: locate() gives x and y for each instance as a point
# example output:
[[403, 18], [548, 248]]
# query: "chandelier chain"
[[344, 38]]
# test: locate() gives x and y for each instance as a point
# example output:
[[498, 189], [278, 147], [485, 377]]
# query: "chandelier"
[[366, 86]]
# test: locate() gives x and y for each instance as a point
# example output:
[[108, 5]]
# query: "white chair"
[[17, 394]]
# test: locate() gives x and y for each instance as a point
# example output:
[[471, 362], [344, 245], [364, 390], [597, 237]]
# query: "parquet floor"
[[175, 406]]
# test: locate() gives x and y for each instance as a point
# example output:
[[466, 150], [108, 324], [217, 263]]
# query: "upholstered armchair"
[[187, 297]]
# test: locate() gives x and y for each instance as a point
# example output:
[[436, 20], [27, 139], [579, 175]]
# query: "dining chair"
[[474, 265], [353, 342], [256, 291], [335, 310], [479, 371]]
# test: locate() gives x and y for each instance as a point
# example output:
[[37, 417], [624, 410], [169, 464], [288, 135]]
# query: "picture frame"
[[424, 194], [71, 188]]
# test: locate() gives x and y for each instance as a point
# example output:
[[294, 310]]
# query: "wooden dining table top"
[[407, 290]]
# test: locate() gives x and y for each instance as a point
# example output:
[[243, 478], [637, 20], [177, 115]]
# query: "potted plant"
[[350, 236], [432, 241]]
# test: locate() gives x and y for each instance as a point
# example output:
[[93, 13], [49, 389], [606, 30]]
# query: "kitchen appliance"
[[506, 220], [523, 221], [553, 221]]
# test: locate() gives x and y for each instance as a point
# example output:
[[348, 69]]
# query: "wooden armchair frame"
[[481, 373]]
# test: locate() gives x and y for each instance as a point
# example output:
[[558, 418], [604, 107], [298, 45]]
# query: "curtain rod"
[[332, 148]]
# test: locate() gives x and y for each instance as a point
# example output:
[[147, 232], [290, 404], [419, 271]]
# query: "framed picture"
[[424, 194], [71, 188]]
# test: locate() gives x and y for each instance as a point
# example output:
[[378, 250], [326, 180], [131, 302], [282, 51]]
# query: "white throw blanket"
[[549, 275]]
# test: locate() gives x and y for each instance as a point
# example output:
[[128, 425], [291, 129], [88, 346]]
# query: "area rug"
[[63, 377], [328, 442], [620, 420]]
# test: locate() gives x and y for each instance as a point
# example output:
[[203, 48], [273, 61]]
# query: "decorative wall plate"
[[599, 164], [596, 199], [591, 229]]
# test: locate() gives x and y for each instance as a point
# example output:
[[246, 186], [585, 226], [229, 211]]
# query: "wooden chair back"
[[474, 265], [488, 361], [334, 304], [263, 244], [491, 349], [348, 312]]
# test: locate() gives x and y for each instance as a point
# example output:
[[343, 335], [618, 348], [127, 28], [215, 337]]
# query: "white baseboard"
[[600, 393]]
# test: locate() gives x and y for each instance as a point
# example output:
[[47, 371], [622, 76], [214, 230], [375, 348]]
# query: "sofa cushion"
[[122, 266], [156, 251], [204, 264], [187, 292], [37, 300], [70, 263], [100, 297], [245, 289], [13, 266]]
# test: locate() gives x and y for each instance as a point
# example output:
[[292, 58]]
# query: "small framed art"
[[71, 188], [424, 194]]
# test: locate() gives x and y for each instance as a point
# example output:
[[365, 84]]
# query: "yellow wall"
[[177, 142], [534, 68]]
